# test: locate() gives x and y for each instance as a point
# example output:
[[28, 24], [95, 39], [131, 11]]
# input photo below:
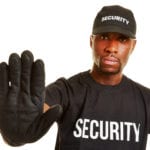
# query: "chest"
[[105, 118], [111, 116], [109, 104]]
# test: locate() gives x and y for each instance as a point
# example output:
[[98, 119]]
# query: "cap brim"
[[116, 29]]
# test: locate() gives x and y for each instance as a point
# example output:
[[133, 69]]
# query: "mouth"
[[110, 60]]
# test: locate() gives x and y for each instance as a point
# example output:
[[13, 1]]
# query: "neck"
[[105, 78]]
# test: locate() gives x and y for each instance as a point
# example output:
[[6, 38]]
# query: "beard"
[[107, 69]]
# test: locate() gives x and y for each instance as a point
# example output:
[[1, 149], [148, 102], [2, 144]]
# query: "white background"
[[58, 32]]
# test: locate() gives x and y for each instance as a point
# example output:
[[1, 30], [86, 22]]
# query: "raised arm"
[[22, 86]]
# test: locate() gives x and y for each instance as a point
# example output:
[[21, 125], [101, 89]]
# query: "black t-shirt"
[[100, 117]]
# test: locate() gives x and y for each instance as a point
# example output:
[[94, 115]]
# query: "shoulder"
[[71, 81], [63, 90], [140, 87], [79, 78]]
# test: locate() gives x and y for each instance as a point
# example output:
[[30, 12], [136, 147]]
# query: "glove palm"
[[21, 100]]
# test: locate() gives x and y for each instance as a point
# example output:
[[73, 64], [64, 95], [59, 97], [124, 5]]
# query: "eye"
[[123, 39], [103, 37]]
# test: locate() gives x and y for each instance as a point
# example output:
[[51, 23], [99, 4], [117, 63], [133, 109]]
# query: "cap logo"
[[115, 18]]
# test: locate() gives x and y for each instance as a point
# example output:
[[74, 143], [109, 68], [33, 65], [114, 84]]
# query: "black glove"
[[22, 86]]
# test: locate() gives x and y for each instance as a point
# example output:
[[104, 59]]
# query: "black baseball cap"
[[115, 18]]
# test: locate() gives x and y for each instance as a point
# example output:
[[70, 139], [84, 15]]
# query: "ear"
[[133, 45], [91, 41]]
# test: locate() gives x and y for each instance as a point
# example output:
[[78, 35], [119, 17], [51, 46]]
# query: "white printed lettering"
[[128, 124], [102, 131], [137, 132], [93, 124], [115, 18], [107, 130], [79, 133], [85, 128], [114, 127]]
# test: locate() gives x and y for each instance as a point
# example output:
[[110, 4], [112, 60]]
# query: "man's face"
[[111, 51]]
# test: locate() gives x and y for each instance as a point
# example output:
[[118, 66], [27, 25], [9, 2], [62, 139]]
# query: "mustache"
[[111, 57]]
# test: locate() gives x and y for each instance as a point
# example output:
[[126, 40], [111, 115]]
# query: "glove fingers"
[[26, 62], [38, 82], [14, 74], [4, 83]]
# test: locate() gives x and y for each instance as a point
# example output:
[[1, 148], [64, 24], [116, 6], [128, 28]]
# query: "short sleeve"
[[147, 102], [148, 112], [146, 95], [57, 93]]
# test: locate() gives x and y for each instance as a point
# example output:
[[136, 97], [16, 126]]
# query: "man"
[[99, 109]]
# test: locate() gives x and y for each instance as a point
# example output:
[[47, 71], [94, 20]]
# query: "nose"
[[112, 47]]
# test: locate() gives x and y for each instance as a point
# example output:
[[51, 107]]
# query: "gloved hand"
[[22, 85]]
